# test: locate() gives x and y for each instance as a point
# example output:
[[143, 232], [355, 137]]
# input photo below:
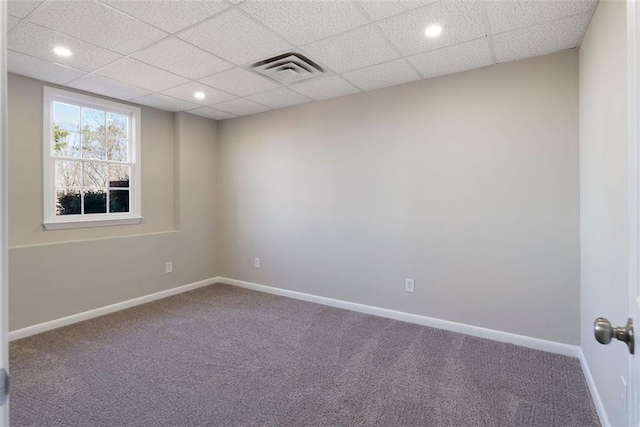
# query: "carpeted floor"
[[223, 356]]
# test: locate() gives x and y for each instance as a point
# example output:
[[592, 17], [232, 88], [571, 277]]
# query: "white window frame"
[[58, 222]]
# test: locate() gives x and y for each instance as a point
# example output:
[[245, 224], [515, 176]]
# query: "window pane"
[[95, 201], [94, 140], [68, 174], [117, 126], [92, 147], [66, 117], [68, 202], [119, 201], [66, 144], [118, 150], [95, 175], [119, 176]]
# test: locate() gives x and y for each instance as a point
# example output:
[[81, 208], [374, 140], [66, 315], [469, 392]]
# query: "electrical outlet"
[[256, 262], [409, 285], [623, 393], [168, 268]]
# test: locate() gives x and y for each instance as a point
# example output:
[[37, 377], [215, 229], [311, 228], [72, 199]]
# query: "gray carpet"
[[223, 356]]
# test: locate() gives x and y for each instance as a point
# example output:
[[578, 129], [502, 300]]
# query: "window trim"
[[51, 220]]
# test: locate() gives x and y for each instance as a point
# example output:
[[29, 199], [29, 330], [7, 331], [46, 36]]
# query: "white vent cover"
[[288, 68]]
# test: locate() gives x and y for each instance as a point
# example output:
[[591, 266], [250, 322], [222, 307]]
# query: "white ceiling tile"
[[241, 107], [211, 113], [186, 91], [280, 98], [12, 21], [461, 20], [325, 88], [382, 75], [453, 59], [169, 15], [29, 66], [236, 38], [182, 58], [540, 39], [509, 15], [142, 75], [239, 82], [107, 87], [97, 24], [380, 9], [355, 49], [303, 22], [335, 33], [163, 102], [39, 41], [21, 8]]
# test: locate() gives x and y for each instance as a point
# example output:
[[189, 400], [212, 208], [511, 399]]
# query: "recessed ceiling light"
[[62, 51], [199, 95], [433, 30]]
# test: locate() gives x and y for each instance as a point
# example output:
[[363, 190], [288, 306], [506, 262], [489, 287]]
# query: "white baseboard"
[[75, 318], [476, 331], [595, 396]]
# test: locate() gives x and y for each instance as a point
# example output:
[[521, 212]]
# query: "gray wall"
[[58, 273], [466, 183], [603, 201]]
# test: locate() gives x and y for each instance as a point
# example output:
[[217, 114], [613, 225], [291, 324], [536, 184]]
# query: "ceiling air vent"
[[288, 68]]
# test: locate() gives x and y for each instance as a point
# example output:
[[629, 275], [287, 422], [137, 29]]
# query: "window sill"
[[65, 225]]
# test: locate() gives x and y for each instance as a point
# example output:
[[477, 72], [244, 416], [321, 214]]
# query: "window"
[[91, 161]]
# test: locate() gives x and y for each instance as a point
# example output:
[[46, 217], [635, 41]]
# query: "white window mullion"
[[78, 159], [106, 157], [82, 190], [81, 135], [107, 208]]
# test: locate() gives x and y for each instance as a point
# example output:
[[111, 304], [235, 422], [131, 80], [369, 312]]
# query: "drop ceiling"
[[160, 52]]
